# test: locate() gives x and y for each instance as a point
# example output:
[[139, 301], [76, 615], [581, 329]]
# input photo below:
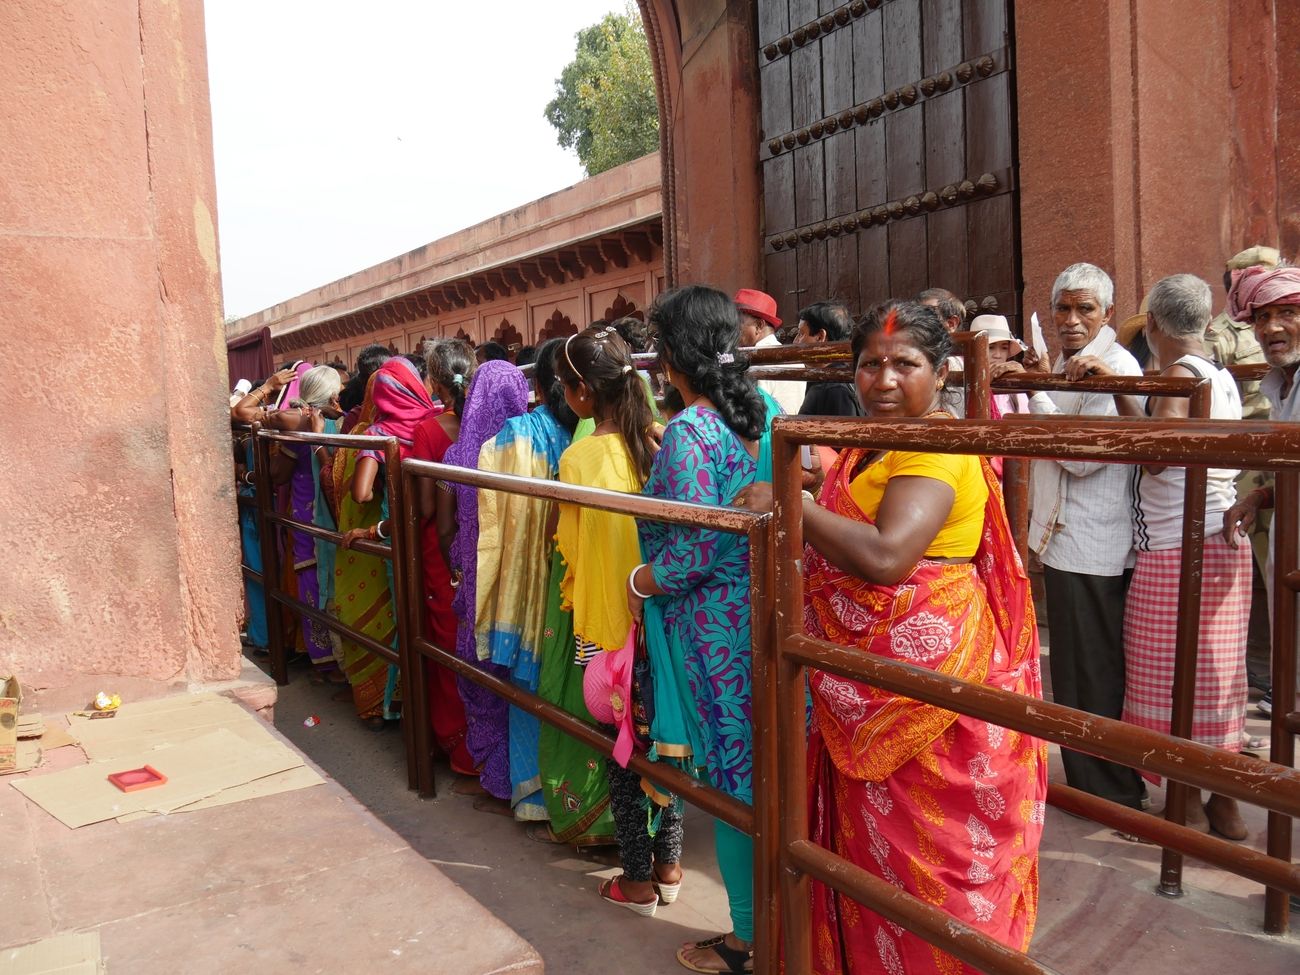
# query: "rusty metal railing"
[[278, 601], [1273, 785], [758, 821]]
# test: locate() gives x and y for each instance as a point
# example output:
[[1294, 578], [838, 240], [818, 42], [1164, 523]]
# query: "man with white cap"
[[758, 325]]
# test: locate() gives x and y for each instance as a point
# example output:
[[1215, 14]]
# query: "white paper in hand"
[[1036, 339]]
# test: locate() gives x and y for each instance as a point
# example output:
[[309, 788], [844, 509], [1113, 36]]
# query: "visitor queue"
[[644, 627]]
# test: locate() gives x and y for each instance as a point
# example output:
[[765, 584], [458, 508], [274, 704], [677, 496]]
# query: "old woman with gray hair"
[[1179, 309], [1081, 528]]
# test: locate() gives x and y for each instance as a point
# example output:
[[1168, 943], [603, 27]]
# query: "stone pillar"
[[117, 520], [1146, 136], [709, 81]]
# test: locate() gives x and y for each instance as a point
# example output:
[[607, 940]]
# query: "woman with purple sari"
[[497, 393]]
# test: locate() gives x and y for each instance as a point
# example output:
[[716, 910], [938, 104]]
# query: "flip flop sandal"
[[667, 892], [611, 891], [739, 961], [542, 833]]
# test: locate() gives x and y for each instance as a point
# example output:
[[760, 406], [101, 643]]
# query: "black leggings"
[[632, 810]]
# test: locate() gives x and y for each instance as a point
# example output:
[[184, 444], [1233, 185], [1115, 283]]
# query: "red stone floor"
[[362, 875]]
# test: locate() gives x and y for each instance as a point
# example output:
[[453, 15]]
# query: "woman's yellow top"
[[959, 538], [600, 549]]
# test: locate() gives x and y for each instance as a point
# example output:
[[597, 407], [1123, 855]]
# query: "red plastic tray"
[[133, 780]]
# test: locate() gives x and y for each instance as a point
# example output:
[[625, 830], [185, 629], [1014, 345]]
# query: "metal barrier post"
[[1186, 641], [417, 685], [767, 778], [791, 701], [268, 540], [394, 484], [1286, 550]]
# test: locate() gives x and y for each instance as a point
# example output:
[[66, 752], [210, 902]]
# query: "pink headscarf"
[[1256, 287], [401, 402]]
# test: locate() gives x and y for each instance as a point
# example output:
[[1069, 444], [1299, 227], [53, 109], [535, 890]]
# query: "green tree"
[[604, 106]]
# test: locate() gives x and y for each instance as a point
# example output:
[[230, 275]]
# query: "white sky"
[[347, 133]]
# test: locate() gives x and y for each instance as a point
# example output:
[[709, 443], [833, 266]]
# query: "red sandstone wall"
[[1147, 135], [117, 529]]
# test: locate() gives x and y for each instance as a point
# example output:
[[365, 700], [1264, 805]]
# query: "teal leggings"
[[736, 861]]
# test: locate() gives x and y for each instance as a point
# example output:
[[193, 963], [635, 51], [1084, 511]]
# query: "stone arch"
[[559, 325]]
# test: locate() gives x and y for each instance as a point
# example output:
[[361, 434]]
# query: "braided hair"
[[698, 330]]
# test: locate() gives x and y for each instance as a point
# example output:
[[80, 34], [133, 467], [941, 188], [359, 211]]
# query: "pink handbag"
[[607, 690]]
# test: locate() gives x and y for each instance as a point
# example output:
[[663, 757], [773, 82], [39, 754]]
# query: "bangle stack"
[[631, 583]]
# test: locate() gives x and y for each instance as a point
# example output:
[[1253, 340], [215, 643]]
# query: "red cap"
[[758, 304]]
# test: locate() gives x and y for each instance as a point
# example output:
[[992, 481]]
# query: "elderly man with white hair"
[[1081, 528]]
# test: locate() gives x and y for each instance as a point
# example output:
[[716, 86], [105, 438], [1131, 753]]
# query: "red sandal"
[[612, 892]]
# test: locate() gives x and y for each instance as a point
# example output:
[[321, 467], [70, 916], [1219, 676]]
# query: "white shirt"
[[788, 393], [1080, 516], [1282, 410], [1158, 498]]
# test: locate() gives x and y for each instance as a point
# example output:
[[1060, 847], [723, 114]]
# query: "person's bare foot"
[[1224, 817]]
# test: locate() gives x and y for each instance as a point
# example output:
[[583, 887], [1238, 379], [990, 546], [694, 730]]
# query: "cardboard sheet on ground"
[[64, 954], [195, 770], [143, 725]]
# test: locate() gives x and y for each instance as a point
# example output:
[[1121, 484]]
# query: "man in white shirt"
[[758, 325], [1081, 527]]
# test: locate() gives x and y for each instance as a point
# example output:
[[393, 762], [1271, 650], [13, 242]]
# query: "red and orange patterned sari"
[[946, 807]]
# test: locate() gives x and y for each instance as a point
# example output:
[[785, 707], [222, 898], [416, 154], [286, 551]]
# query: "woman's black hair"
[[491, 351], [634, 332], [828, 317], [450, 364], [599, 357], [370, 359], [698, 329], [418, 362], [921, 322], [544, 374], [526, 356]]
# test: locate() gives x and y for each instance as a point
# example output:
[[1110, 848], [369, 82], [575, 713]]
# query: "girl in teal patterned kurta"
[[694, 587]]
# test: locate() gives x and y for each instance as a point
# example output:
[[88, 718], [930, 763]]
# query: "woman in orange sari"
[[910, 557]]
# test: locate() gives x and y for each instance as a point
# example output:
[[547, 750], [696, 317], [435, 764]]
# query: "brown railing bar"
[[1286, 545], [251, 574], [349, 440], [933, 924], [715, 803], [1230, 856], [1253, 780], [737, 521], [244, 501], [363, 545], [1250, 444], [342, 629]]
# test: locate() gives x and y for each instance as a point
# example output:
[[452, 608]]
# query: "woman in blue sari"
[[693, 589], [513, 585]]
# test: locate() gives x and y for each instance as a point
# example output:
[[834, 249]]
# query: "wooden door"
[[888, 152]]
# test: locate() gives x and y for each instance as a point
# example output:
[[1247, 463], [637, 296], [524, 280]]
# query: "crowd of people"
[[644, 627]]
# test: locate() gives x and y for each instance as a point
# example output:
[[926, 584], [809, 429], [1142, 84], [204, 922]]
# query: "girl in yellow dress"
[[600, 550]]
